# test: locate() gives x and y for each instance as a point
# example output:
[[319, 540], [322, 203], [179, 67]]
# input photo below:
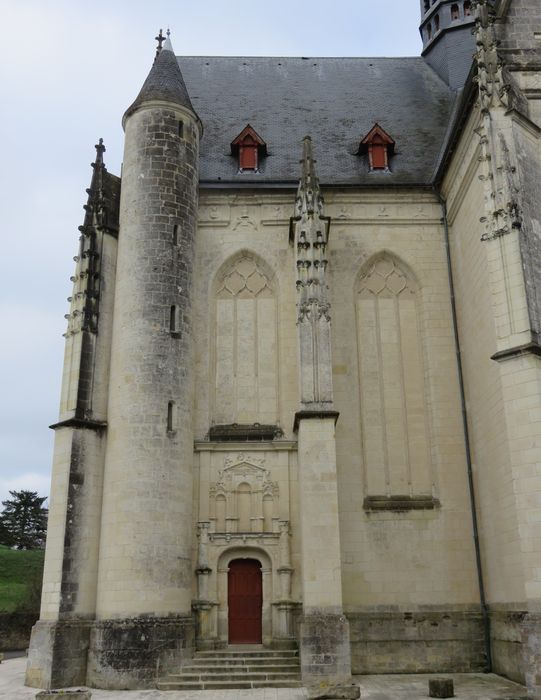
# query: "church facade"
[[301, 400]]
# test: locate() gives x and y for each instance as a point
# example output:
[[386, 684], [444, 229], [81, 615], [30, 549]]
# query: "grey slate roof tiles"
[[336, 101], [164, 82]]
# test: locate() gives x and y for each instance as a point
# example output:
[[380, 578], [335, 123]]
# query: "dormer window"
[[455, 12], [249, 148], [379, 146]]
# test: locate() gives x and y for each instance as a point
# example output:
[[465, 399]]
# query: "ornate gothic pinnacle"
[[309, 199]]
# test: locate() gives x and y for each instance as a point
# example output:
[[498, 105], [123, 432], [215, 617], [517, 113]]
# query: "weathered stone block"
[[64, 694], [325, 650], [58, 654], [441, 688], [335, 692], [127, 654]]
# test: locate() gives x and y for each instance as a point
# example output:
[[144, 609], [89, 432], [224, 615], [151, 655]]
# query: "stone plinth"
[[64, 694], [441, 688], [336, 692], [325, 650]]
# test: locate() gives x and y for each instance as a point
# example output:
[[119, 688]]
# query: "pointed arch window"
[[467, 8], [380, 148], [455, 12], [245, 345], [248, 147], [394, 420]]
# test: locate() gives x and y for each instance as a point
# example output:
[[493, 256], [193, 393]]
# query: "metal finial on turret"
[[160, 39], [164, 82], [168, 46]]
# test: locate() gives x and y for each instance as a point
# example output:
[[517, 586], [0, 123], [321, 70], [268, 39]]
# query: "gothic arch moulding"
[[260, 555], [245, 342], [394, 413]]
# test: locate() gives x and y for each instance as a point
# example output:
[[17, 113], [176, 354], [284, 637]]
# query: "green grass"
[[20, 579]]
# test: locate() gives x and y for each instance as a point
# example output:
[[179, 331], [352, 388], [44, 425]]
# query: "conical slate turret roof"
[[164, 82]]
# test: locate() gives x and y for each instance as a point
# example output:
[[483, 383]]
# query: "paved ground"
[[467, 687]]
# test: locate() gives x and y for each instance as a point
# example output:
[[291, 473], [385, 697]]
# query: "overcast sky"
[[68, 70]]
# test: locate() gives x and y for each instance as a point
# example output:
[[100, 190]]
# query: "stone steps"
[[237, 668]]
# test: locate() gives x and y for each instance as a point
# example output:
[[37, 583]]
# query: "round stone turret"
[[145, 574], [448, 44]]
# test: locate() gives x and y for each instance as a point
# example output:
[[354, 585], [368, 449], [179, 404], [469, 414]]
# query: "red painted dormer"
[[379, 146], [249, 148]]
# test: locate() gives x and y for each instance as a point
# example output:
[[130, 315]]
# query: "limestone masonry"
[[301, 400]]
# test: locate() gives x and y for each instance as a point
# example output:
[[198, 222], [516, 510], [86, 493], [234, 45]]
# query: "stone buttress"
[[59, 644], [324, 630], [507, 60]]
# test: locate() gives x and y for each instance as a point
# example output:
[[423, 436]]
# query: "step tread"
[[217, 685], [232, 676]]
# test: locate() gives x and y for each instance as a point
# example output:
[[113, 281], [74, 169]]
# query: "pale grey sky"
[[68, 70]]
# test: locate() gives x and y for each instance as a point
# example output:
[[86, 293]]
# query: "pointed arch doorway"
[[245, 601]]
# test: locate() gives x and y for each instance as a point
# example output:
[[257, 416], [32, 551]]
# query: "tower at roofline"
[[448, 43]]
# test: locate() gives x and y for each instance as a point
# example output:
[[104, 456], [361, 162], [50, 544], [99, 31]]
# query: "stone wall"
[[417, 642]]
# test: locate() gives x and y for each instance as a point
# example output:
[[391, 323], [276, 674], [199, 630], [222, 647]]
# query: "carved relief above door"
[[244, 499]]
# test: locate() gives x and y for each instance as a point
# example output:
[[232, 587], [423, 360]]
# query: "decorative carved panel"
[[244, 499]]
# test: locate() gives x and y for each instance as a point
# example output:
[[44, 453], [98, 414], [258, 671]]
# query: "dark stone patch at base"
[[441, 688], [325, 649], [506, 641], [336, 692], [129, 654], [58, 653], [417, 642], [531, 645]]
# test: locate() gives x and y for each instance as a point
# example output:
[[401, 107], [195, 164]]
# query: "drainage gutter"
[[467, 444]]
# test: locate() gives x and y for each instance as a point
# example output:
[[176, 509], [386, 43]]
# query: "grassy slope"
[[19, 572]]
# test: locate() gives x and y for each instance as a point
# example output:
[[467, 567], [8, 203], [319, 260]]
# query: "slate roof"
[[334, 100], [164, 82]]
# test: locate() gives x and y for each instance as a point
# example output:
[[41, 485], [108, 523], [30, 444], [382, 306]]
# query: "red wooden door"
[[245, 599]]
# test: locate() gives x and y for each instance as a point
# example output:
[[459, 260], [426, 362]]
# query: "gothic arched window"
[[245, 347], [455, 12], [394, 424]]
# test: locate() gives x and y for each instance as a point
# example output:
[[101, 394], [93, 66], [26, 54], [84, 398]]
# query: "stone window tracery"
[[394, 423], [246, 386]]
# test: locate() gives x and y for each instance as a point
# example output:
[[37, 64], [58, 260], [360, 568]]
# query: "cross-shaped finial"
[[100, 150], [160, 39], [168, 32]]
